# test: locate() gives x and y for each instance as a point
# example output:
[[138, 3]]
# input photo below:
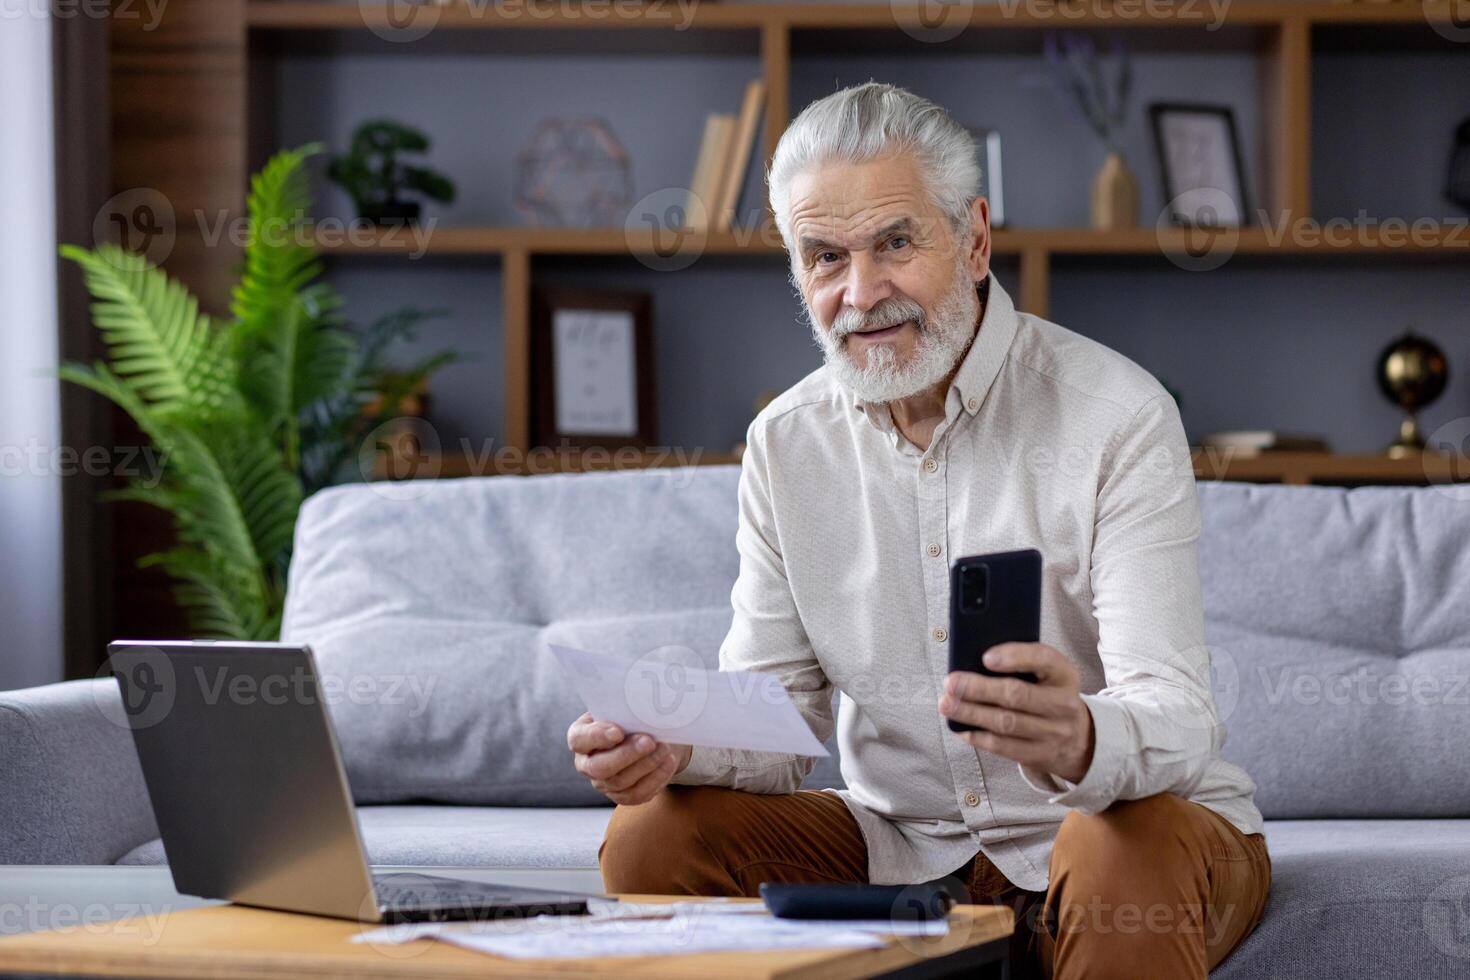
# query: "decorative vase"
[[1114, 195]]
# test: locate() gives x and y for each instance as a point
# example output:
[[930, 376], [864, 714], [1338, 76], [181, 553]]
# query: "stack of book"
[[725, 154]]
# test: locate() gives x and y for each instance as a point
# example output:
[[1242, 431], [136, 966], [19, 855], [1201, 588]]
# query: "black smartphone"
[[992, 599]]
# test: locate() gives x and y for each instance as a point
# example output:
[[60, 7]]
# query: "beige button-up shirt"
[[846, 534]]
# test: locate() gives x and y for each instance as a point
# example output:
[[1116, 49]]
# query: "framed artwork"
[[992, 184], [1200, 164], [592, 368]]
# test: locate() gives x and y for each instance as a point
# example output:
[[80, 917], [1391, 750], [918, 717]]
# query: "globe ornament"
[[1412, 373], [573, 174]]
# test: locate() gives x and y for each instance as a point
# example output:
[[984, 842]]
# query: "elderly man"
[[946, 423]]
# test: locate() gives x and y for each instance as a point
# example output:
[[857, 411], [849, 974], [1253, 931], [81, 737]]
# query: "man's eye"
[[822, 257], [897, 241]]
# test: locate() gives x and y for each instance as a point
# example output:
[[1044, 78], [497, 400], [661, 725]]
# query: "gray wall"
[[1287, 345]]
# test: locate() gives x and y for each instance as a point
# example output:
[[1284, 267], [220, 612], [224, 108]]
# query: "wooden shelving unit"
[[1329, 468], [1279, 33]]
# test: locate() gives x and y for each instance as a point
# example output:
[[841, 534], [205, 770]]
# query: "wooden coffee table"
[[235, 941]]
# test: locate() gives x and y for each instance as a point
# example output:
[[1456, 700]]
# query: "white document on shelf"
[[677, 702]]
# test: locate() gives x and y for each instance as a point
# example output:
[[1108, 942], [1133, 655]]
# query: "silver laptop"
[[252, 802]]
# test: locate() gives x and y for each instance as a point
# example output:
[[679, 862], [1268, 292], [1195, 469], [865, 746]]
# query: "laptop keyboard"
[[418, 891]]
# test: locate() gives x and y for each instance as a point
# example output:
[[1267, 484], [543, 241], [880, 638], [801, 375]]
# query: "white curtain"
[[30, 468]]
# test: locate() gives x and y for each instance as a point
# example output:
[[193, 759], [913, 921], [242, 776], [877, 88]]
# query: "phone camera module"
[[974, 588]]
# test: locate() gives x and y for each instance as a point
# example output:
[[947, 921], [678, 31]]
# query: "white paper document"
[[667, 695], [626, 929]]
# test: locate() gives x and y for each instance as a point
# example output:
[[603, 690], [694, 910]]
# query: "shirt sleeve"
[[765, 635], [1155, 724]]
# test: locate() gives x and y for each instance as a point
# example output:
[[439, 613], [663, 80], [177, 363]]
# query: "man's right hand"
[[626, 770]]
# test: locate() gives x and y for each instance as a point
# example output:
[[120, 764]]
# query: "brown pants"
[[1158, 887]]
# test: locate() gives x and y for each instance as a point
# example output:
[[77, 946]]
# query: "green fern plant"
[[250, 415]]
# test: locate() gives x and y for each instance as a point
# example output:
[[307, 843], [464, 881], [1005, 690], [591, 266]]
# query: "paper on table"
[[680, 702], [677, 928], [663, 937]]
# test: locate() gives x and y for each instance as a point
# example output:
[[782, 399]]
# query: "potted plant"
[[371, 172], [251, 413]]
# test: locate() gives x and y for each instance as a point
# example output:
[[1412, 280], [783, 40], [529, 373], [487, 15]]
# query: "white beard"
[[943, 340]]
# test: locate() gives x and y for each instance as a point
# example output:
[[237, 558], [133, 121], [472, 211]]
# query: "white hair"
[[870, 121]]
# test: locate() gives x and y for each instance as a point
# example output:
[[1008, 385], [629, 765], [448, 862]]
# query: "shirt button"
[[941, 634], [930, 465], [972, 404], [971, 799], [934, 550]]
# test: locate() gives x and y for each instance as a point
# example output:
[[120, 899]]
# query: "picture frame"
[[592, 368], [992, 173], [1200, 164]]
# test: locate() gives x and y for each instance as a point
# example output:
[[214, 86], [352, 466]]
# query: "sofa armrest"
[[71, 789]]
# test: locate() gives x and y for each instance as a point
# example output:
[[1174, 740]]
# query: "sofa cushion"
[[467, 836], [1340, 647], [430, 607], [1361, 898]]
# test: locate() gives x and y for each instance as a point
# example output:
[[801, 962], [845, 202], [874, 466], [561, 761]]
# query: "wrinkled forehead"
[[847, 204]]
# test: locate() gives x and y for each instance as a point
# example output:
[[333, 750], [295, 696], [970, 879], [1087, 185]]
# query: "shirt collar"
[[980, 364]]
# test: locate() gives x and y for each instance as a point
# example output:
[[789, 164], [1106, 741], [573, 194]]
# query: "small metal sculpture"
[[1412, 372]]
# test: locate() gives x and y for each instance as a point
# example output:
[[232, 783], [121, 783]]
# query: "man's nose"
[[867, 282]]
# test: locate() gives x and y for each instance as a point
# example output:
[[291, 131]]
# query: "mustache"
[[888, 313]]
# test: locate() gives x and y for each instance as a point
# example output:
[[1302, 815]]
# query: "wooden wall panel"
[[178, 91]]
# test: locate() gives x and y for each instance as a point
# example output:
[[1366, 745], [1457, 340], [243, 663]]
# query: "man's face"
[[889, 287]]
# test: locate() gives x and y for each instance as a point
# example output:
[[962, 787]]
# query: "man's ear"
[[979, 238]]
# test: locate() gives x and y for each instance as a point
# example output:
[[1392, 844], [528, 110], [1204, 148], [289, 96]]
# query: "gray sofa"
[[1339, 623]]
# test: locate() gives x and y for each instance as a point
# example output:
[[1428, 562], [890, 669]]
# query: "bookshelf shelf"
[[230, 50], [1297, 468], [531, 15], [1329, 468], [1437, 239]]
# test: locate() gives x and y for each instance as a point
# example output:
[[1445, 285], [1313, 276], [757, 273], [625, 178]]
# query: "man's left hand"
[[1045, 725]]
